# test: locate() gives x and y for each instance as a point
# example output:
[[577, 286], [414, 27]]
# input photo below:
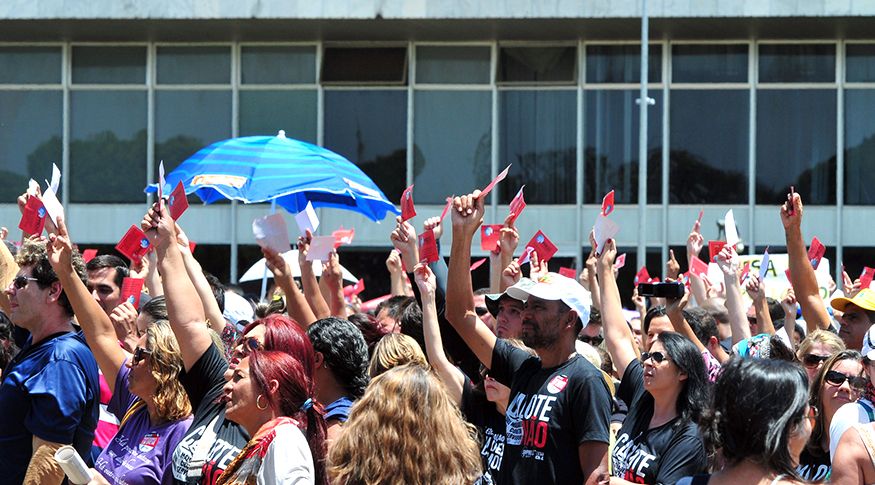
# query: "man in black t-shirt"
[[559, 409]]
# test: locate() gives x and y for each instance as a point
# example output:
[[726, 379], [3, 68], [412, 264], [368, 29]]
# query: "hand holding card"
[[408, 210], [33, 217], [271, 232], [486, 190], [516, 206], [131, 290], [428, 252], [134, 244], [178, 201], [489, 236]]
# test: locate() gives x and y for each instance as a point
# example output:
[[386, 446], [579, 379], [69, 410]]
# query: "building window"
[[611, 146], [30, 65], [452, 143], [621, 64], [699, 63], [109, 65], [265, 112], [194, 65], [859, 146], [364, 65], [860, 63], [186, 121], [797, 63], [537, 65], [708, 160], [30, 138], [369, 127], [538, 135], [452, 65], [278, 64]]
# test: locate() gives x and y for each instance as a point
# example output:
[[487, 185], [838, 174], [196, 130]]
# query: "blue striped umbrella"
[[256, 169]]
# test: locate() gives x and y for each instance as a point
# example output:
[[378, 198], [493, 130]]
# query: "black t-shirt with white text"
[[212, 437], [660, 455], [814, 467], [550, 413], [483, 414]]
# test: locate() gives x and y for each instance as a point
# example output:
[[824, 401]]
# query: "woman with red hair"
[[271, 395]]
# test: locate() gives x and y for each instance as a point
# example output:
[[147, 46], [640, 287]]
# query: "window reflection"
[[796, 145], [108, 129], [452, 143], [267, 112], [621, 63], [370, 129], [452, 65], [797, 63], [860, 63], [859, 147], [277, 65], [109, 65], [186, 121], [611, 147], [194, 65], [30, 138], [30, 65], [538, 130], [696, 63], [708, 161]]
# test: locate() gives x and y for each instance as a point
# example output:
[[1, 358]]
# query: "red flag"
[[608, 203], [517, 205], [698, 267], [447, 208], [478, 264], [816, 252], [131, 289], [407, 209], [177, 202], [489, 236], [343, 236], [642, 276], [33, 217], [350, 290], [866, 277], [714, 248], [486, 190], [89, 254], [541, 245], [428, 251], [134, 244]]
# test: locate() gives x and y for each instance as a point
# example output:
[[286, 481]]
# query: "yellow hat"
[[865, 299]]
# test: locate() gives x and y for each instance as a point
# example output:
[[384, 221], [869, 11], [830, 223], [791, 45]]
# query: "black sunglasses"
[[594, 341], [657, 356], [836, 378], [813, 360], [139, 354], [19, 282]]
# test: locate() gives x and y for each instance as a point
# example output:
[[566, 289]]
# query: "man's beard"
[[534, 337]]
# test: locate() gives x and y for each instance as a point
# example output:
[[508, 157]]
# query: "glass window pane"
[[377, 65], [538, 135], [708, 153], [107, 146], [621, 64], [537, 64], [370, 129], [186, 121], [724, 63], [452, 65], [859, 147], [611, 147], [194, 65], [797, 63], [267, 112], [452, 143], [30, 138], [796, 145], [109, 65], [278, 65], [860, 63], [30, 65]]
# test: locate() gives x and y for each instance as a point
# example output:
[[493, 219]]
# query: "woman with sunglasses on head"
[[212, 441], [151, 405], [816, 348], [838, 382], [759, 421], [665, 391]]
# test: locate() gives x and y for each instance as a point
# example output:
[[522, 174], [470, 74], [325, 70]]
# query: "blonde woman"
[[816, 348], [148, 399], [405, 430], [393, 350]]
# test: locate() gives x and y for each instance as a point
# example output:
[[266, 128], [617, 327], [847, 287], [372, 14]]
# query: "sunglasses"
[[19, 282], [249, 344], [812, 360], [657, 356], [139, 354], [836, 378], [481, 311], [594, 341]]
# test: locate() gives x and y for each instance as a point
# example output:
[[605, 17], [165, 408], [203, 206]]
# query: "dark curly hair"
[[345, 352]]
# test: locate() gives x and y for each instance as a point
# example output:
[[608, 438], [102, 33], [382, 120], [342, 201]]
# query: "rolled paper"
[[73, 466]]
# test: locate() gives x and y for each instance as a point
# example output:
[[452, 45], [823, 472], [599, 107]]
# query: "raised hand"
[[755, 288], [695, 241], [468, 213], [425, 279], [276, 264], [159, 227], [672, 267], [537, 268], [727, 260], [331, 269], [59, 248], [605, 261], [794, 220], [124, 319], [434, 223], [404, 240], [509, 237], [511, 274], [393, 262], [304, 248]]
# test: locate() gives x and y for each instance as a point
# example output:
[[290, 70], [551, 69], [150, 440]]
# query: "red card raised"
[[608, 203], [642, 276], [447, 207], [407, 209], [343, 236], [866, 277], [131, 289], [89, 254], [428, 251], [478, 263], [178, 202], [698, 267], [134, 244], [541, 245], [816, 252], [489, 236], [568, 272], [33, 217], [355, 289], [486, 190], [620, 261], [714, 248], [517, 205]]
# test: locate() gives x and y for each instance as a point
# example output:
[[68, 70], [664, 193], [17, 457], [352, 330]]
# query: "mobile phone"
[[661, 290]]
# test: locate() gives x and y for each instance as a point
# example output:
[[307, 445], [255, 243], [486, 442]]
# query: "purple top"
[[140, 453]]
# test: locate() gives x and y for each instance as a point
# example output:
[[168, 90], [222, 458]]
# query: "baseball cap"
[[554, 286], [237, 309], [492, 300], [865, 299], [868, 350]]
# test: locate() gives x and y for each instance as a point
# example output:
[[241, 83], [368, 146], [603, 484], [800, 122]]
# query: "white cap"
[[869, 344], [554, 286], [237, 309]]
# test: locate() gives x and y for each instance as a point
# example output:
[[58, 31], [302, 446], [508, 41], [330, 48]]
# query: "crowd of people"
[[536, 379]]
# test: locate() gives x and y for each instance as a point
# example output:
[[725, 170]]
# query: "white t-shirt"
[[848, 415], [288, 460]]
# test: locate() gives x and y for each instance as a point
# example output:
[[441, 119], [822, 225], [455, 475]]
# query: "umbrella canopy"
[[256, 169], [256, 271]]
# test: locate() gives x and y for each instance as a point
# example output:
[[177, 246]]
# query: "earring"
[[258, 403]]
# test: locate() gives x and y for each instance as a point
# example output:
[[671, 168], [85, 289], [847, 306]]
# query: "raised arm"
[[184, 308], [498, 262], [8, 270], [308, 279], [728, 262], [451, 376], [618, 336], [756, 289], [99, 331], [331, 284], [467, 215], [801, 273], [297, 305], [695, 241]]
